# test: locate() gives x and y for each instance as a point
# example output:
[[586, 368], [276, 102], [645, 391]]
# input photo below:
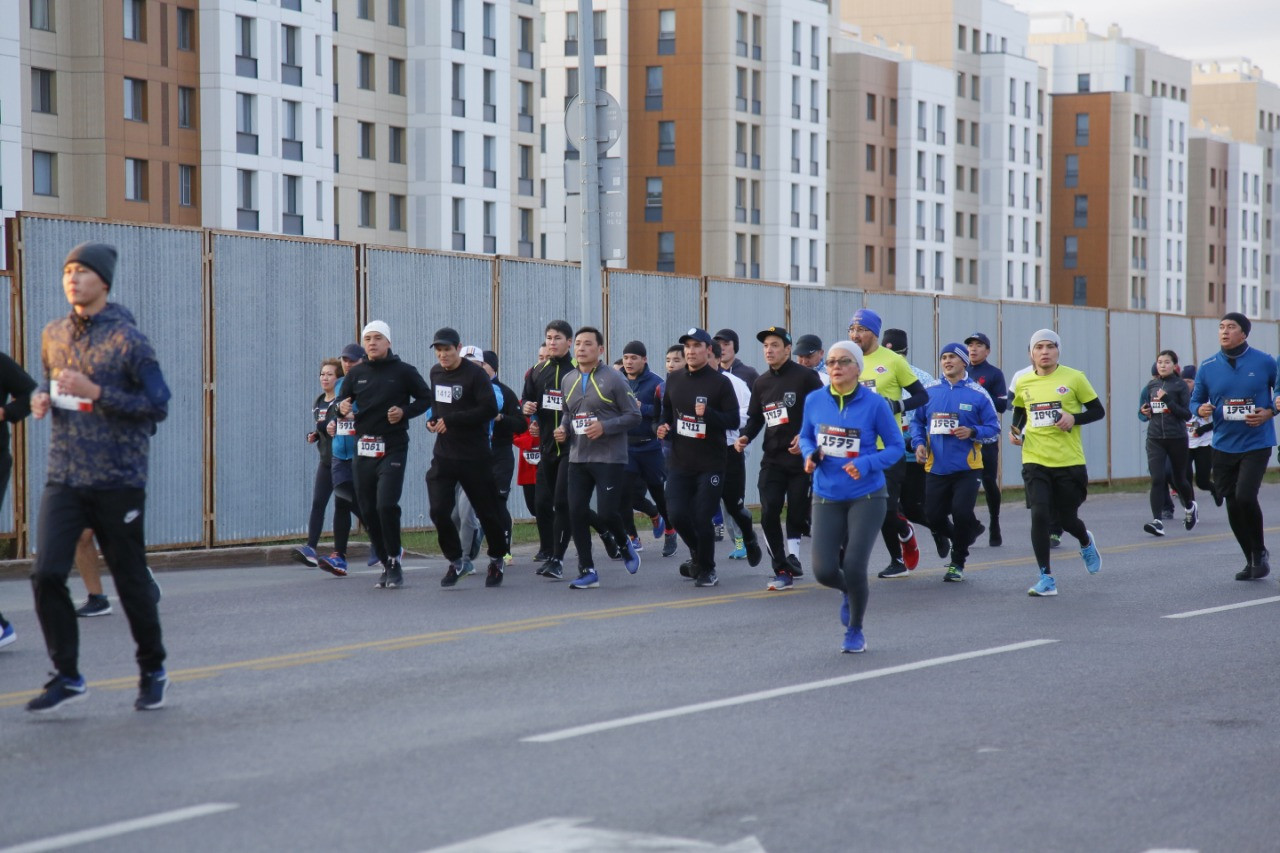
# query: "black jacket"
[[544, 380], [1172, 422], [512, 423], [18, 384], [465, 401], [376, 386], [705, 454], [780, 393]]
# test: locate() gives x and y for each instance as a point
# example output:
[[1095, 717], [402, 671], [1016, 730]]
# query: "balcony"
[[795, 272], [459, 241], [920, 281], [459, 108], [937, 283], [739, 269], [813, 168], [795, 219], [666, 262], [291, 224], [666, 44], [795, 165], [940, 186], [795, 111], [653, 100], [755, 270], [813, 275], [742, 51], [813, 220], [921, 183], [490, 46], [755, 106], [740, 103], [459, 174], [922, 134], [813, 114], [246, 220], [740, 159], [939, 235], [490, 113], [940, 137], [739, 214], [666, 156], [755, 161], [524, 122], [459, 40], [920, 231], [290, 75]]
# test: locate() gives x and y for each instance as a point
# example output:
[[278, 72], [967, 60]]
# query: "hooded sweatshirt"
[[376, 386]]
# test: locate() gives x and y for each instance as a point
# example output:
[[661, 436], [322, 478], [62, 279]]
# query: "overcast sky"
[[1192, 29]]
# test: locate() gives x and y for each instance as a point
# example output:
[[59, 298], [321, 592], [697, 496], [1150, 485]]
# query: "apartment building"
[[1118, 235], [10, 114], [997, 93], [1233, 96]]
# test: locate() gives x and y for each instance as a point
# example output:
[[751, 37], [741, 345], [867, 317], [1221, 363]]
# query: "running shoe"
[[1055, 539], [1192, 516], [507, 559], [1092, 559], [854, 642], [373, 559], [896, 569], [943, 544], [554, 571], [1168, 513], [1155, 527], [754, 554], [1261, 565], [451, 574], [59, 691], [793, 566], [382, 580], [611, 546], [156, 593], [395, 576], [541, 557], [306, 555], [493, 577], [739, 551], [1044, 587], [636, 543], [467, 568], [706, 579], [7, 635], [631, 559], [844, 610], [719, 532], [955, 574], [994, 539], [334, 564], [910, 549], [659, 525], [587, 579], [669, 544], [782, 580], [688, 569], [95, 605], [151, 689]]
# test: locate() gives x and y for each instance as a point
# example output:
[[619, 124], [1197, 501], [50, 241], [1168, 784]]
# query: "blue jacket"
[[106, 446], [344, 446], [1250, 376], [864, 411], [972, 407], [646, 388]]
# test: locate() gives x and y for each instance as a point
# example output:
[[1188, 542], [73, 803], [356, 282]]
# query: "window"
[[135, 20], [666, 142], [525, 246], [459, 160], [368, 213], [42, 19], [490, 42], [395, 144], [44, 173], [871, 157], [135, 179], [246, 200], [395, 76], [290, 63], [396, 212], [186, 106], [653, 199], [571, 34], [364, 70], [653, 87], [871, 107], [246, 62], [489, 87], [666, 32], [524, 48], [246, 124], [291, 218], [1079, 289], [869, 209], [291, 141], [459, 225], [1082, 128], [43, 91], [524, 163], [135, 99], [364, 10], [1082, 211], [1070, 254], [869, 259], [1072, 176], [459, 89], [186, 29], [489, 152], [667, 249], [525, 107], [395, 13], [458, 17], [488, 217], [186, 186]]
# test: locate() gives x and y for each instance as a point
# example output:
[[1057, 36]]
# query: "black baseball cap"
[[774, 331], [980, 337], [353, 352], [448, 337], [696, 334], [894, 339], [808, 345], [728, 335]]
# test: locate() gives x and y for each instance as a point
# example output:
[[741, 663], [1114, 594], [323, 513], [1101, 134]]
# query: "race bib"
[[690, 427], [868, 383], [1159, 407], [553, 400], [943, 423], [582, 422], [775, 414], [444, 393], [839, 442], [70, 402], [1237, 408], [372, 446], [345, 427], [1045, 414], [532, 457]]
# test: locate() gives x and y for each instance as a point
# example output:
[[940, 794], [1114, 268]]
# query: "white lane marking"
[[569, 835], [1237, 606], [85, 836], [654, 716]]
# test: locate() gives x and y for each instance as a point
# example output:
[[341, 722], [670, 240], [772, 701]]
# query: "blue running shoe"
[[1046, 586], [739, 551], [630, 558], [844, 611], [1092, 559], [334, 564], [659, 526], [151, 690], [782, 580], [635, 540], [467, 568], [58, 692], [669, 543], [587, 579], [373, 560], [306, 555], [854, 642], [7, 636]]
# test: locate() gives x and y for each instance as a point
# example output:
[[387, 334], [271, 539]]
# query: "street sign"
[[611, 177], [608, 121]]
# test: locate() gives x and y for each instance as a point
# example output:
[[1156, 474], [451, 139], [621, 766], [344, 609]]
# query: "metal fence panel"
[[1263, 335], [654, 309], [915, 316], [1084, 338], [417, 293], [1206, 337], [960, 318], [1133, 349], [823, 311], [1017, 323], [158, 278], [1176, 334], [268, 342], [530, 295], [6, 332]]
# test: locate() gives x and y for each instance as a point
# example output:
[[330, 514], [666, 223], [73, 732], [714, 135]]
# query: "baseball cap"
[[774, 331], [980, 337], [808, 344], [728, 335], [473, 353], [696, 334], [353, 352], [447, 336]]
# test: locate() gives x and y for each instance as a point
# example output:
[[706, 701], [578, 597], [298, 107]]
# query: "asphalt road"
[[309, 712]]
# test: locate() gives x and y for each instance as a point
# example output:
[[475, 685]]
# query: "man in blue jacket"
[[948, 434], [1235, 387], [646, 467]]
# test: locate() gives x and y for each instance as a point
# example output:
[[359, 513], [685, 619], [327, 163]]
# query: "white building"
[[11, 110]]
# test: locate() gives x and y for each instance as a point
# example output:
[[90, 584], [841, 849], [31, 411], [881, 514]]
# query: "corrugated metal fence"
[[240, 323]]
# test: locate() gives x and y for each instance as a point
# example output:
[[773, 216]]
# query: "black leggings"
[[342, 511], [894, 526], [991, 478], [1175, 451], [780, 485], [734, 494], [1237, 477], [1200, 461], [1055, 496]]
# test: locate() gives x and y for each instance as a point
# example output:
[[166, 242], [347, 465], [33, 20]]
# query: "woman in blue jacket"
[[848, 438]]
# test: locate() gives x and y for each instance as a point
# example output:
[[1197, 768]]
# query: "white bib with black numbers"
[[691, 427], [372, 446], [444, 394], [943, 423], [839, 442], [582, 422], [70, 402], [1159, 407], [553, 400], [775, 415], [1044, 414], [532, 457], [1237, 408], [345, 427]]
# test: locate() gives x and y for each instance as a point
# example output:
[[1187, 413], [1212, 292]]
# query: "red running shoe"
[[910, 549]]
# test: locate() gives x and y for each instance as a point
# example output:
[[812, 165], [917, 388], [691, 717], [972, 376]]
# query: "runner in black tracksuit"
[[544, 398], [387, 393], [777, 407], [509, 423]]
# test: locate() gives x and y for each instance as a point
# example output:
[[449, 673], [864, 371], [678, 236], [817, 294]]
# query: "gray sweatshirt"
[[606, 398]]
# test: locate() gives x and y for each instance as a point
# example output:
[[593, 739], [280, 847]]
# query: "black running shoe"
[[793, 566], [754, 554], [706, 579], [395, 577], [451, 576], [995, 540], [151, 689], [553, 570], [1261, 565], [943, 544], [59, 691], [896, 569], [669, 544], [687, 569], [494, 577], [541, 557]]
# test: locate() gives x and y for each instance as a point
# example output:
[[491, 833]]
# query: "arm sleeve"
[[989, 428], [1019, 417], [420, 391], [1178, 402], [1093, 411], [918, 396]]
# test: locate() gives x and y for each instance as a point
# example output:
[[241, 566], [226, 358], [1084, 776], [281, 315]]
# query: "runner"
[[530, 444], [16, 386], [948, 433], [1199, 444], [1051, 402], [1235, 387], [1167, 409], [737, 520], [385, 393], [777, 407], [698, 407], [991, 378], [848, 439], [461, 418], [330, 373], [809, 353], [599, 409], [544, 398], [888, 374], [911, 497], [464, 515], [646, 470], [106, 394], [509, 423], [342, 448]]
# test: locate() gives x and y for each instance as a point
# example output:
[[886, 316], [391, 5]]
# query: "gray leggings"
[[844, 533]]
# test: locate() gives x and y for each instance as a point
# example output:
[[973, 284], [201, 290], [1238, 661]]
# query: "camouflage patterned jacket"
[[103, 444]]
